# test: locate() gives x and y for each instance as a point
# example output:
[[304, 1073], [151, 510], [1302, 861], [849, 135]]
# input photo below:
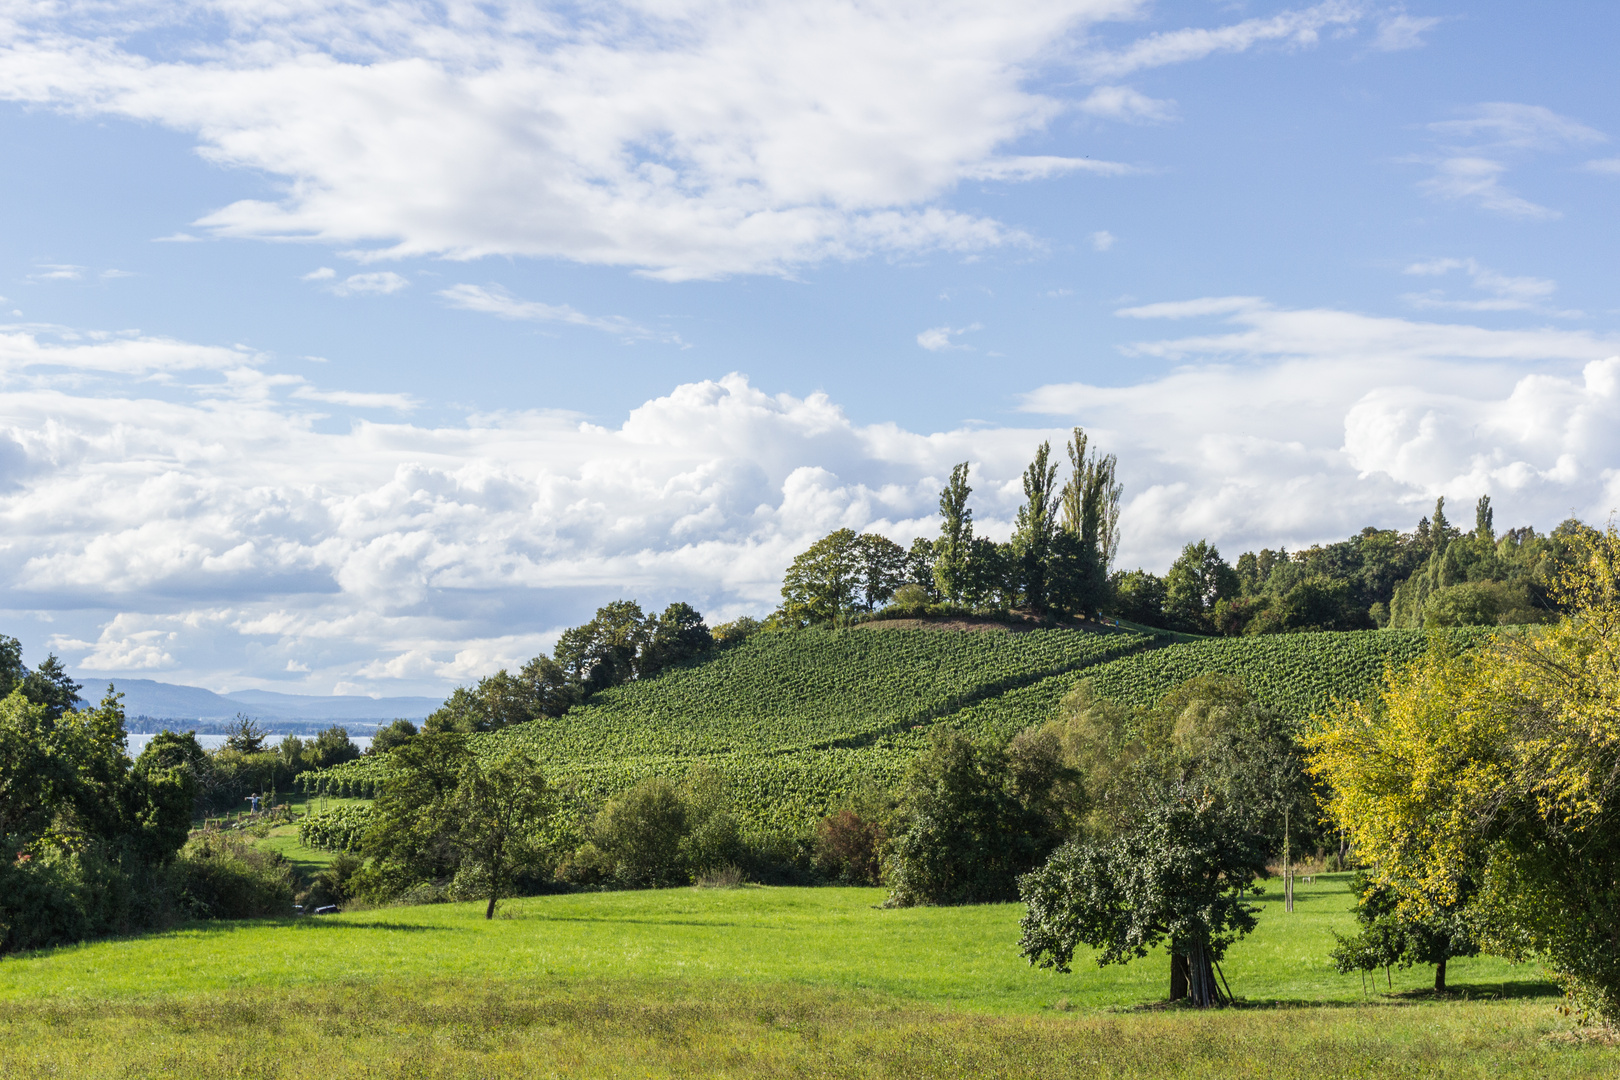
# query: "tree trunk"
[[494, 891], [1178, 976], [1440, 976]]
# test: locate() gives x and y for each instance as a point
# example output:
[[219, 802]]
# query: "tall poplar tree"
[[953, 549], [1037, 522]]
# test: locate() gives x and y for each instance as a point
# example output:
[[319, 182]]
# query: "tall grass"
[[640, 1028]]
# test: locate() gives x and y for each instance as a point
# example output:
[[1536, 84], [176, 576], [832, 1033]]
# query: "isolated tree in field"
[[953, 551], [1037, 523], [1183, 803], [499, 809], [445, 814], [1178, 878], [1389, 937], [1492, 780]]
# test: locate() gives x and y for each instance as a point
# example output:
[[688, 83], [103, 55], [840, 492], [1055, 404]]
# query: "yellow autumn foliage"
[[1491, 780]]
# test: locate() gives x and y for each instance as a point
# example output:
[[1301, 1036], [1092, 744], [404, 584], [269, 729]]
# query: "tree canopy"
[[1490, 781]]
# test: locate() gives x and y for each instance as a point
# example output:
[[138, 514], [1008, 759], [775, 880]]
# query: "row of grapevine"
[[794, 722], [337, 828]]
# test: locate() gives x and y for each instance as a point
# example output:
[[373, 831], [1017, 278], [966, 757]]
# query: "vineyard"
[[1299, 675], [794, 721]]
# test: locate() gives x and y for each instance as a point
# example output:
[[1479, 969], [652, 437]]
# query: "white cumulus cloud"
[[213, 532], [687, 140]]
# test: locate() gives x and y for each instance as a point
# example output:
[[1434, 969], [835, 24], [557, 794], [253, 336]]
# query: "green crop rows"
[[793, 721], [815, 688], [1300, 675], [336, 828]]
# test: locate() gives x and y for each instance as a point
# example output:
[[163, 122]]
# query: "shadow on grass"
[[1515, 990], [321, 922], [633, 922]]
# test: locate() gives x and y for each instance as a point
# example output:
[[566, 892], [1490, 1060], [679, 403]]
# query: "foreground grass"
[[746, 982], [549, 1027]]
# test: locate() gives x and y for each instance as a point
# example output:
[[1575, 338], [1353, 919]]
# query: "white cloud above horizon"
[[684, 141], [220, 532]]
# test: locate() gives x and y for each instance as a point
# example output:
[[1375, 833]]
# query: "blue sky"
[[360, 348]]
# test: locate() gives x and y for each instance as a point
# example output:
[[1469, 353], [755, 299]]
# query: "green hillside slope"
[[794, 720], [1298, 674]]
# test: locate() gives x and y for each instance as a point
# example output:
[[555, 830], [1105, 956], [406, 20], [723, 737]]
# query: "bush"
[[657, 834], [335, 884], [970, 832], [638, 835], [224, 877], [59, 896], [910, 597], [848, 848]]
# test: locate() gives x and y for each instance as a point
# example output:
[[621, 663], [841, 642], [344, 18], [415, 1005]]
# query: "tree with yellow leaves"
[[1488, 784]]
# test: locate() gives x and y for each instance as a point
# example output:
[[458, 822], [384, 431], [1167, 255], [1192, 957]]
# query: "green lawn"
[[835, 939], [744, 982]]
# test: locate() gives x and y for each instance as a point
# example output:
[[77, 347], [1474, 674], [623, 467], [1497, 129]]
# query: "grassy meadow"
[[743, 982]]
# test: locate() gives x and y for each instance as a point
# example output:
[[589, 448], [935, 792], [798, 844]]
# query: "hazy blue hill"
[[194, 705], [308, 706]]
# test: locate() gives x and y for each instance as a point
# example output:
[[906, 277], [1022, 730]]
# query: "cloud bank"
[[690, 140], [184, 509]]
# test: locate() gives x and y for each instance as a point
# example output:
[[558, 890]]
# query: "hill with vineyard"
[[793, 721]]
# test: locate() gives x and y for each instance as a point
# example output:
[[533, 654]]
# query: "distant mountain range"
[[204, 709]]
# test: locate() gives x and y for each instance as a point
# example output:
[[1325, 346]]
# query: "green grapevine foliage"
[[793, 721]]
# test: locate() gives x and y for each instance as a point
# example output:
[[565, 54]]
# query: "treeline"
[[1059, 563], [1434, 576], [619, 644], [249, 764], [1056, 563], [95, 843]]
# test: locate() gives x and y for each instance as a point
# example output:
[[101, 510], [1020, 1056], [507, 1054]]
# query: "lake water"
[[137, 743]]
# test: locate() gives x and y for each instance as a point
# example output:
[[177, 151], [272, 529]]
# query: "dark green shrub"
[[224, 877], [335, 884], [969, 834], [639, 835]]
